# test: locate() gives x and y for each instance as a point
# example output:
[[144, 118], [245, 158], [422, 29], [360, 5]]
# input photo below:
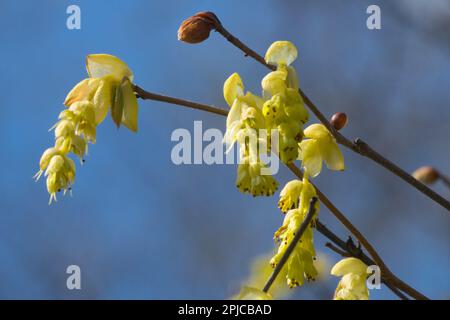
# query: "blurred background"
[[141, 227]]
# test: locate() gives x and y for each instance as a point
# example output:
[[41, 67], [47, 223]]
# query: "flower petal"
[[100, 65], [311, 157], [281, 52], [316, 131], [103, 98], [349, 265], [130, 106], [235, 112], [84, 90], [232, 88], [333, 156], [274, 82]]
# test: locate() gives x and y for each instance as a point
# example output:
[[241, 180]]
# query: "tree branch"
[[348, 249]]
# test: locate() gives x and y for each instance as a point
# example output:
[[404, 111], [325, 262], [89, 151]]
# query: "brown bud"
[[196, 29], [339, 120], [426, 174]]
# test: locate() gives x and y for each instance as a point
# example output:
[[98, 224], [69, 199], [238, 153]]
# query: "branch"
[[292, 244], [145, 95], [366, 244], [339, 215], [348, 249], [358, 146]]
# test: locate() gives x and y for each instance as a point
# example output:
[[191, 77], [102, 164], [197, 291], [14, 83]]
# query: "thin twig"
[[145, 95], [292, 244], [347, 249], [405, 287], [332, 247], [358, 146], [444, 179]]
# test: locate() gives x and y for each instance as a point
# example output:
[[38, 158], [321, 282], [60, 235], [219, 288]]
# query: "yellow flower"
[[274, 82], [45, 160], [249, 293], [250, 180], [290, 195], [82, 113], [245, 110], [284, 108], [66, 137], [109, 86], [289, 135], [233, 88], [60, 174], [244, 121], [320, 146], [300, 265], [281, 52], [353, 285]]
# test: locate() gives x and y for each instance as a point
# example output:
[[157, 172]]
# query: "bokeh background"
[[141, 227]]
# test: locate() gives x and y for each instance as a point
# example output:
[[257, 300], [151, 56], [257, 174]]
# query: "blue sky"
[[141, 227]]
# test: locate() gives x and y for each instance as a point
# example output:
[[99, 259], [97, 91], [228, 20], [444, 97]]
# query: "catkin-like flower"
[[60, 175], [108, 87], [353, 284], [300, 265], [244, 122], [290, 195], [320, 146], [284, 108], [250, 180]]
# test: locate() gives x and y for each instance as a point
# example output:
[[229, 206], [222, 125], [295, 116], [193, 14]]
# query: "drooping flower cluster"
[[109, 86], [244, 124], [280, 109], [284, 109], [353, 285], [295, 199]]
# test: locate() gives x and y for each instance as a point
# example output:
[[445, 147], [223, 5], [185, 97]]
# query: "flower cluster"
[[284, 109], [294, 199], [245, 123], [280, 109], [109, 86], [253, 119], [353, 285]]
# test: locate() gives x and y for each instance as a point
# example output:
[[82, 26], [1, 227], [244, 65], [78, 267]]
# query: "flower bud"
[[426, 174], [339, 120], [196, 29]]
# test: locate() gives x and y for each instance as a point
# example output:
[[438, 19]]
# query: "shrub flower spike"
[[109, 86], [281, 108]]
